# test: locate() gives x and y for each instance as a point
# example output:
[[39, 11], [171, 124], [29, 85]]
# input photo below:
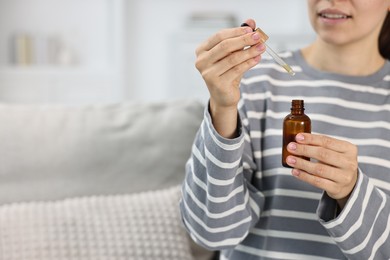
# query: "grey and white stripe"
[[237, 197]]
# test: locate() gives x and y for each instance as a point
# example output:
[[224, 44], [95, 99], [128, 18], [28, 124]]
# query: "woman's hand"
[[335, 169], [222, 60]]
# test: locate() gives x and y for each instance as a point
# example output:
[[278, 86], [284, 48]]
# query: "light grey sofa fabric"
[[138, 226], [66, 172], [51, 152]]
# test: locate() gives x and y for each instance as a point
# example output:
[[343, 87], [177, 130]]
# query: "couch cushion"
[[53, 151], [138, 226]]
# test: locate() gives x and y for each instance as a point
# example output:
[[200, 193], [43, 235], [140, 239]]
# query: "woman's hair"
[[384, 38]]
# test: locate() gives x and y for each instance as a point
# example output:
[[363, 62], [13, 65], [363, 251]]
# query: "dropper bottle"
[[294, 123]]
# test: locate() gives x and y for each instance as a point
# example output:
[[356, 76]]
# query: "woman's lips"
[[333, 16]]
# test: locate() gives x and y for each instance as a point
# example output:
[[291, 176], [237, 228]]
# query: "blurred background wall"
[[93, 51]]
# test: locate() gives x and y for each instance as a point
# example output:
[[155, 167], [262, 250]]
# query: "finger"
[[221, 36], [231, 45], [326, 142], [250, 22], [239, 70], [316, 181], [238, 58], [206, 58], [319, 153], [232, 77], [315, 168]]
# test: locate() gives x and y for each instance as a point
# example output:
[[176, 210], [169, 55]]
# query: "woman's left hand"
[[334, 169]]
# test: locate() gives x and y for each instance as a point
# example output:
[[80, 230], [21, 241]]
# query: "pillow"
[[52, 152], [141, 226]]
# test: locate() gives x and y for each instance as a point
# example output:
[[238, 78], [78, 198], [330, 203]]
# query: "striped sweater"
[[238, 198]]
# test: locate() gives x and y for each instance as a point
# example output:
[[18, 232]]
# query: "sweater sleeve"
[[219, 205], [362, 228]]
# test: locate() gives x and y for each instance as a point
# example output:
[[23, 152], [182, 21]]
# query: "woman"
[[237, 197]]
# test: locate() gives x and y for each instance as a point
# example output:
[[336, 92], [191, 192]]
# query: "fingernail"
[[300, 137], [248, 29], [260, 47], [255, 36], [291, 160], [292, 146], [295, 172]]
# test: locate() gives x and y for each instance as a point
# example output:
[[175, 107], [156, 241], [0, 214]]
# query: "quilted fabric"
[[138, 226]]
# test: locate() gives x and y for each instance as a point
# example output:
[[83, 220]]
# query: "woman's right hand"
[[222, 60]]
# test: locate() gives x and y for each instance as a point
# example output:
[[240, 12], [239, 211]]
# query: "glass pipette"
[[273, 54]]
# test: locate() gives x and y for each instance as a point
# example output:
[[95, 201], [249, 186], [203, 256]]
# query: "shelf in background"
[[61, 51]]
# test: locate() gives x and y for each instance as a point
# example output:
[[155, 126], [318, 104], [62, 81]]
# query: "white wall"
[[130, 49], [76, 48], [162, 48]]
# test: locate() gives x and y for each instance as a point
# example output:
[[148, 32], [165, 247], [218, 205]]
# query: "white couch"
[[96, 181]]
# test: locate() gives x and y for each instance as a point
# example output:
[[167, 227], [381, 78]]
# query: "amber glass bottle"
[[294, 123]]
